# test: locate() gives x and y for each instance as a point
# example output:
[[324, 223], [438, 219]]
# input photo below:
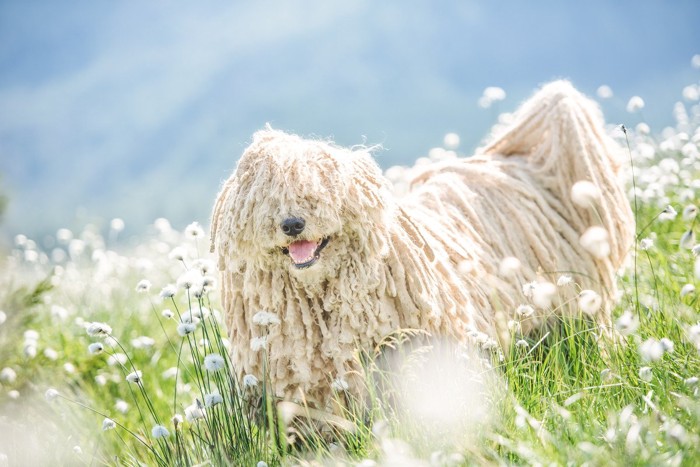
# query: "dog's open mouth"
[[305, 253]]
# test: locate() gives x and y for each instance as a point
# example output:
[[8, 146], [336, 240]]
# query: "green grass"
[[567, 397]]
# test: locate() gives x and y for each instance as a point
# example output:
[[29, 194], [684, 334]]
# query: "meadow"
[[114, 353]]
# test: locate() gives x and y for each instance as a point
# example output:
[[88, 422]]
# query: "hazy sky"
[[140, 109]]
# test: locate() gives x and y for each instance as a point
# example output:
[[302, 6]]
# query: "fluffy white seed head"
[[646, 243], [687, 241], [108, 424], [543, 295], [524, 311], [144, 285], [134, 376], [564, 280], [509, 267], [98, 329], [635, 104], [595, 241], [585, 194], [96, 347], [210, 400], [214, 362], [687, 289], [265, 318], [645, 374], [627, 323], [604, 92], [589, 302], [258, 343], [194, 231], [159, 431], [651, 350], [451, 141], [186, 328], [250, 381], [51, 394]]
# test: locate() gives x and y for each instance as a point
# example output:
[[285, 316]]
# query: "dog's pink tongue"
[[302, 251]]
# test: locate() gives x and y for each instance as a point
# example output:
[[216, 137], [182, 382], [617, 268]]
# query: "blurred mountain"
[[140, 110]]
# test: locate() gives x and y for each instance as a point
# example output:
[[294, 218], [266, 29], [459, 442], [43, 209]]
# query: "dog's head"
[[305, 206]]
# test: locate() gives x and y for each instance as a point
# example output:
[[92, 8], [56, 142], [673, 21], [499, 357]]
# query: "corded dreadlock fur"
[[394, 263]]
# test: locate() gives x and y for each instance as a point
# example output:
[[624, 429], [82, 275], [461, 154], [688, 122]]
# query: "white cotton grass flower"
[[604, 92], [195, 411], [210, 400], [339, 385], [669, 213], [194, 231], [96, 348], [8, 375], [691, 92], [695, 61], [690, 212], [96, 329], [134, 376], [451, 141], [522, 344], [529, 289], [178, 254], [645, 374], [627, 323], [184, 329], [117, 359], [167, 314], [667, 344], [51, 394], [250, 381], [176, 420], [651, 350], [692, 381], [159, 431], [646, 243], [265, 318], [595, 241], [108, 424], [696, 250], [144, 285], [543, 295], [258, 343], [585, 194], [214, 362], [514, 326], [524, 311], [642, 128], [589, 302], [687, 241], [117, 224], [168, 291], [509, 267], [121, 406], [688, 289], [191, 279], [564, 280], [635, 104]]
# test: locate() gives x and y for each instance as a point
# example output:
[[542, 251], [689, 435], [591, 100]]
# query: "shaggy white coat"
[[428, 260]]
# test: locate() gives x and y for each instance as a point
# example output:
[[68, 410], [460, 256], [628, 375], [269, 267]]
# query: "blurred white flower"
[[667, 344], [117, 224], [261, 464], [529, 289], [78, 450], [214, 362], [604, 92], [695, 61], [509, 267], [108, 424], [687, 241], [168, 291], [564, 280], [627, 323], [98, 329], [178, 254], [589, 302], [494, 93], [514, 326], [144, 285], [210, 400], [51, 354], [186, 328], [121, 406], [522, 344], [651, 350], [690, 212], [635, 104], [646, 243], [258, 343], [167, 314], [159, 431], [692, 381], [194, 231], [96, 347], [339, 385], [642, 128], [51, 394], [645, 374], [451, 141], [693, 334], [191, 279], [687, 290], [177, 419], [8, 375], [134, 376], [543, 294], [250, 381], [142, 342], [595, 241], [117, 359], [170, 373], [585, 194], [524, 311], [669, 213], [265, 318]]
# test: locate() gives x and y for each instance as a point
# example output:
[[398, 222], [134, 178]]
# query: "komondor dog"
[[319, 257]]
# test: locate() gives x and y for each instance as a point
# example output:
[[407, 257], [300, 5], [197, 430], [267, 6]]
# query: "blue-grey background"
[[138, 110]]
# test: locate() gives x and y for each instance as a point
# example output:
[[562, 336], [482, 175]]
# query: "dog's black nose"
[[293, 226]]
